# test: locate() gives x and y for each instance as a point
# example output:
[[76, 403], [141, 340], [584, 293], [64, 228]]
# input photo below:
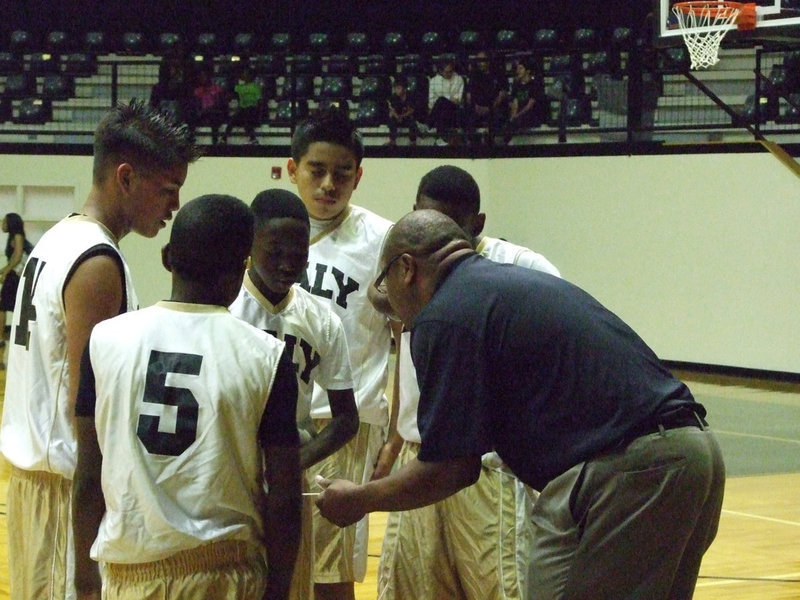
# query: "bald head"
[[424, 232], [420, 249]]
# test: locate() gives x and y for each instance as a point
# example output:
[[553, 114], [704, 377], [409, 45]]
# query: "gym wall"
[[698, 253]]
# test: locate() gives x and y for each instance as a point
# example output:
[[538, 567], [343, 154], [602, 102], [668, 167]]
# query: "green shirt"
[[249, 93]]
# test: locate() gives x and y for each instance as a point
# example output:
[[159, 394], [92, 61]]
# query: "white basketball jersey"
[[408, 392], [180, 394], [496, 250], [342, 264], [313, 334], [501, 251], [37, 428]]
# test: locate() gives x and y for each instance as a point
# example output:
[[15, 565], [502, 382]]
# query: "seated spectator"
[[172, 92], [210, 104], [335, 104], [529, 105], [401, 113], [487, 95], [247, 113], [446, 99]]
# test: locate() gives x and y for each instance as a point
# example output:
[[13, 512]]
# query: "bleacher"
[[56, 90]]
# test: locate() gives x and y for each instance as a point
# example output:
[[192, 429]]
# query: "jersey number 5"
[[156, 391]]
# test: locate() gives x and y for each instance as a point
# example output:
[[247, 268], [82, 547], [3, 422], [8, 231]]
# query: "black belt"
[[671, 418]]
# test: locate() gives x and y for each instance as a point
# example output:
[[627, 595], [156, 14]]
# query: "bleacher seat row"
[[58, 70]]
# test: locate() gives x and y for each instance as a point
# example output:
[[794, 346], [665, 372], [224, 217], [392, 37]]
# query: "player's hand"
[[338, 501], [386, 459]]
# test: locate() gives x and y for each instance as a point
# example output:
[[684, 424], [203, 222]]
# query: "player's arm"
[[391, 448], [341, 428], [282, 509], [93, 293], [414, 485], [88, 503]]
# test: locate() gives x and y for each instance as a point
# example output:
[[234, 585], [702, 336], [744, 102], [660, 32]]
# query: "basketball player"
[[474, 544], [314, 338], [343, 260], [75, 278], [185, 413]]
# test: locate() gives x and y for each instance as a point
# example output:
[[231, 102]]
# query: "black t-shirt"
[[524, 93], [527, 364], [400, 105], [483, 88]]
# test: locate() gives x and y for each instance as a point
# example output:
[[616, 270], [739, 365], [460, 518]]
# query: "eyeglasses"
[[380, 283]]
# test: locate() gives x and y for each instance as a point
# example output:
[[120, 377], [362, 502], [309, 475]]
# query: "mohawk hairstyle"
[[144, 136]]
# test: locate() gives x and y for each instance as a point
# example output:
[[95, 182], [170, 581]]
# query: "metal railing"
[[750, 94]]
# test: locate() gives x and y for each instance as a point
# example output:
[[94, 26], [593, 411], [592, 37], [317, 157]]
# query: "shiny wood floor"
[[756, 555]]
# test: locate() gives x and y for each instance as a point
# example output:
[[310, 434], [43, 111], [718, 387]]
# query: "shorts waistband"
[[36, 476], [207, 557]]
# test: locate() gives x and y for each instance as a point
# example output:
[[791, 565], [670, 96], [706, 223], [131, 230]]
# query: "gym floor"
[[755, 554]]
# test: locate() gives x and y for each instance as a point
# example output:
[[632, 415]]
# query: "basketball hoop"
[[703, 24]]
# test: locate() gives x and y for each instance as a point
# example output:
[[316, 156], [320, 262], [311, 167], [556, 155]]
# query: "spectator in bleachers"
[[446, 100], [172, 93], [210, 104], [528, 106], [247, 113], [487, 95], [401, 113]]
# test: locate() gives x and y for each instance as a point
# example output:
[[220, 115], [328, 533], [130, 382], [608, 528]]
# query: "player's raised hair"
[[211, 236], [332, 126], [422, 232], [278, 204], [453, 186], [143, 136]]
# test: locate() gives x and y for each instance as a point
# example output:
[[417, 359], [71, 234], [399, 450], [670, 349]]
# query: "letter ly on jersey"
[[345, 285]]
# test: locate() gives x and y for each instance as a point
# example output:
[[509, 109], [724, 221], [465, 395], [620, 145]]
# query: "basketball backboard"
[[775, 19]]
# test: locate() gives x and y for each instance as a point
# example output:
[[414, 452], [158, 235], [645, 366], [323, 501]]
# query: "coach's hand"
[[339, 501]]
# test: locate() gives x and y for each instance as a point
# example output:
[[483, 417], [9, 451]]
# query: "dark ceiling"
[[193, 16]]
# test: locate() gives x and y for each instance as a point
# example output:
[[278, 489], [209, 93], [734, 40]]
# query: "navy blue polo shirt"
[[527, 364]]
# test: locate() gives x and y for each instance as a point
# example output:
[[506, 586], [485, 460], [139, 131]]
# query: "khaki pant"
[[633, 523], [41, 555]]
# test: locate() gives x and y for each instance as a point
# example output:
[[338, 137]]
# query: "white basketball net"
[[694, 21]]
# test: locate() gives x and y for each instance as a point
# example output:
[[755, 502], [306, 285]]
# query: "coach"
[[574, 402]]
